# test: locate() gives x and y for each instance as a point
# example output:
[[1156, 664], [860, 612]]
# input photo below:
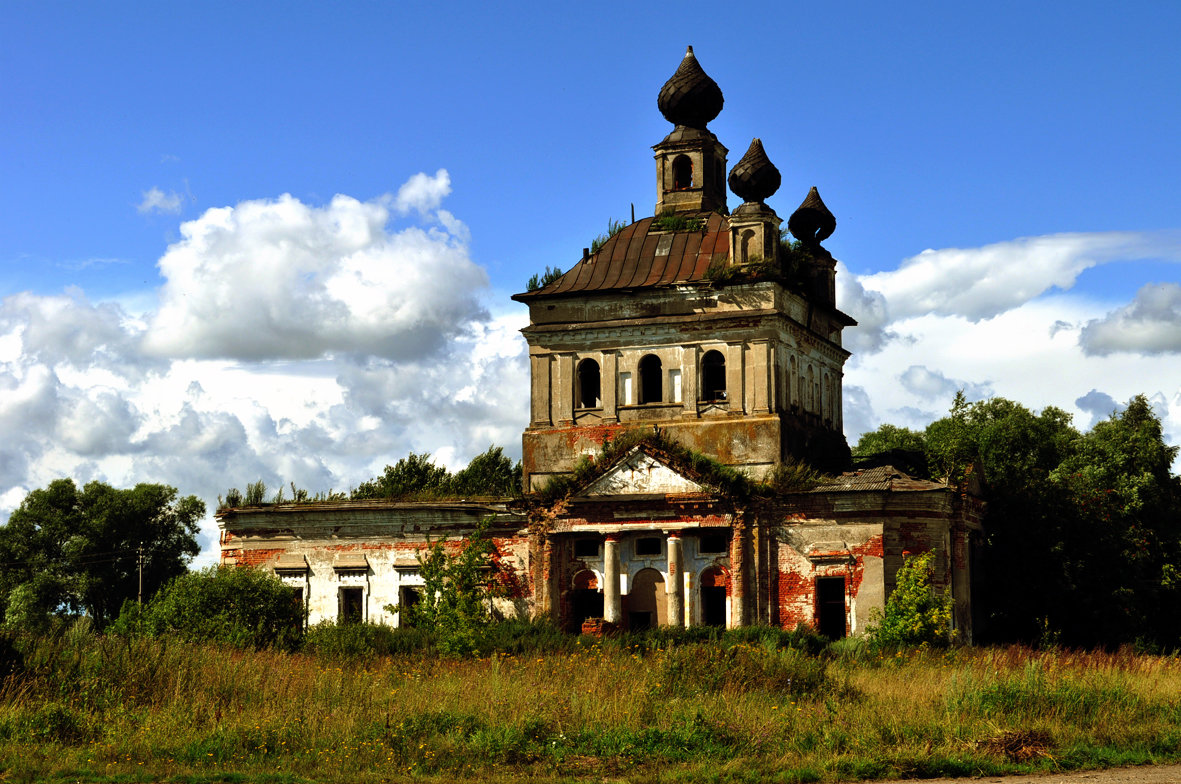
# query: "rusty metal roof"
[[642, 256], [886, 478]]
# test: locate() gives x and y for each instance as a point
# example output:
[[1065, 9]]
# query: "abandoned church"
[[710, 331]]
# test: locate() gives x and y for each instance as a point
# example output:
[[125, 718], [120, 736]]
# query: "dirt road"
[[1164, 774]]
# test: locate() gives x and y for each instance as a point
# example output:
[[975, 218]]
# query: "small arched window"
[[713, 376], [682, 173], [651, 386], [588, 384]]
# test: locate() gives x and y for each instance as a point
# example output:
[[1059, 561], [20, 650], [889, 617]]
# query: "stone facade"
[[705, 327]]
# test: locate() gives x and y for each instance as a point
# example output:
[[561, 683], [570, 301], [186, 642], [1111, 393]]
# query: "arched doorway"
[[647, 605], [715, 584], [586, 600]]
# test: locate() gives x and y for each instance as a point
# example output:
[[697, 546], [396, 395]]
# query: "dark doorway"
[[830, 607], [651, 381], [588, 384], [352, 605], [713, 597], [713, 376], [585, 603], [639, 621], [408, 597]]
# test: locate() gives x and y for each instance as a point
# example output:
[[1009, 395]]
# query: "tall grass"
[[752, 706]]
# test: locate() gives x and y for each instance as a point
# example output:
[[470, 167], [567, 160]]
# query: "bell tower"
[[690, 161]]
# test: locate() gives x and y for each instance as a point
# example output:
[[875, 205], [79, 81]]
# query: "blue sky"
[[1004, 176]]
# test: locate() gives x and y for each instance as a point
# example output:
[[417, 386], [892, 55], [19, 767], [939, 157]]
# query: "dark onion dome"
[[754, 177], [690, 97], [812, 223]]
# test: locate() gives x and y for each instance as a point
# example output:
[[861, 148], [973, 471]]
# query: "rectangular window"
[[352, 606], [674, 383], [830, 607], [625, 388], [649, 545], [713, 543], [408, 596], [586, 548]]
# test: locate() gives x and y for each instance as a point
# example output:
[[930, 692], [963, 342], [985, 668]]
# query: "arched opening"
[[647, 605], [651, 382], [586, 600], [682, 173], [748, 236], [713, 376], [810, 391], [588, 384], [714, 587]]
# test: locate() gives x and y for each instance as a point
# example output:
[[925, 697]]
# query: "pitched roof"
[[646, 256]]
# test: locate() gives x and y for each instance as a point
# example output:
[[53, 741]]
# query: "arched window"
[[588, 384], [713, 376], [745, 240], [810, 391], [682, 173], [651, 386]]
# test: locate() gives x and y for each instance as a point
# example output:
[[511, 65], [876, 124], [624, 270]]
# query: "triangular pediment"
[[639, 473]]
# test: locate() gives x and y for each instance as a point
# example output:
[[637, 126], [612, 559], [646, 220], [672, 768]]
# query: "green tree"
[[247, 608], [415, 474], [72, 551], [457, 590], [915, 614], [489, 473]]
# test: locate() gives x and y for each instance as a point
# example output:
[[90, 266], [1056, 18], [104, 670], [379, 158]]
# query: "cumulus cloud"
[[979, 283], [868, 308], [1150, 324], [932, 384], [1099, 405], [423, 192], [279, 278], [290, 342], [156, 200]]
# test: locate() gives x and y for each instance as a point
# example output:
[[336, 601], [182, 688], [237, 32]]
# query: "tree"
[[914, 614], [410, 475], [489, 473], [247, 608], [456, 591], [72, 551]]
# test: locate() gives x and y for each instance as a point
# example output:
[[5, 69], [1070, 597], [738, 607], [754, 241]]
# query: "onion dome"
[[754, 178], [690, 97], [812, 223]]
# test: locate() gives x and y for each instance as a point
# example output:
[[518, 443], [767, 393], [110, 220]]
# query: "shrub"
[[915, 614], [247, 608], [360, 640]]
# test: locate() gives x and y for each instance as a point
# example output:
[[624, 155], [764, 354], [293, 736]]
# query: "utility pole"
[[140, 560]]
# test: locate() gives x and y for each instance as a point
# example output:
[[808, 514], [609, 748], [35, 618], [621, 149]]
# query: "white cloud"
[[932, 384], [1150, 324], [423, 192], [156, 200], [291, 343], [979, 283], [282, 279]]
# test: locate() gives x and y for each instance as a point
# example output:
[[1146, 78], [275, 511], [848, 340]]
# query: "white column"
[[612, 606], [676, 599]]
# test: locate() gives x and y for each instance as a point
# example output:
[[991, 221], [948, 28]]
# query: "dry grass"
[[93, 708]]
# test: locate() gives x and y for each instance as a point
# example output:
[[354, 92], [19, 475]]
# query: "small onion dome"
[[754, 177], [812, 223], [690, 97]]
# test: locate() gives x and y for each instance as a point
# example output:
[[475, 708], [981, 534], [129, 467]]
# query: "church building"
[[710, 342]]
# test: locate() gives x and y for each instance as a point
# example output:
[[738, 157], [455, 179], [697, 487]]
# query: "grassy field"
[[79, 706]]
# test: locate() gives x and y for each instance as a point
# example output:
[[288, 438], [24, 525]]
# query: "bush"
[[246, 608], [360, 640], [694, 669], [915, 614]]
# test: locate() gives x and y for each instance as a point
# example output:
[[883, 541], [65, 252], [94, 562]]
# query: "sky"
[[277, 241]]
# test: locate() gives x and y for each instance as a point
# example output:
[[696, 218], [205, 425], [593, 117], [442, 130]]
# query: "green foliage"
[[792, 476], [457, 592], [416, 477], [537, 282], [365, 640], [69, 551], [246, 608], [738, 669], [613, 228], [914, 614], [256, 493], [671, 221]]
